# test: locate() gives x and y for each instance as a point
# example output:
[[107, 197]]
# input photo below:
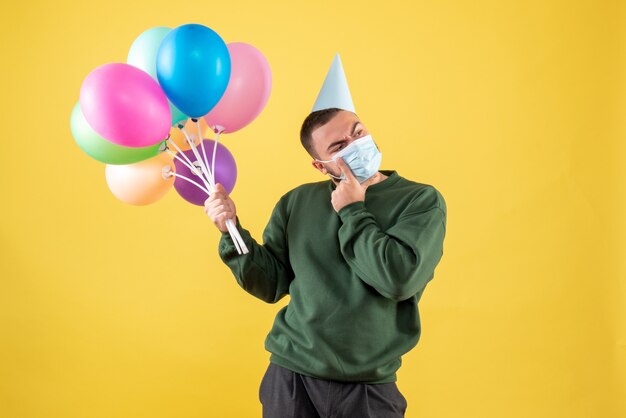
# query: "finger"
[[220, 208], [213, 197], [216, 216], [217, 195], [345, 169], [217, 207], [214, 203], [224, 216], [219, 188]]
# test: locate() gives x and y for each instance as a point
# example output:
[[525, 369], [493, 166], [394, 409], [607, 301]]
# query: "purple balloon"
[[225, 172]]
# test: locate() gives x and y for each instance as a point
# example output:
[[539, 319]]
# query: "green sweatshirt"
[[354, 277]]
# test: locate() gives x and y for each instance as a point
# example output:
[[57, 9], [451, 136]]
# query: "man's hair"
[[313, 121]]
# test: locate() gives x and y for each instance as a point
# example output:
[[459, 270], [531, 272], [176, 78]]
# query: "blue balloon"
[[193, 68]]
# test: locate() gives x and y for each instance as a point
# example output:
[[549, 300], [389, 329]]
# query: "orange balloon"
[[179, 139], [141, 183]]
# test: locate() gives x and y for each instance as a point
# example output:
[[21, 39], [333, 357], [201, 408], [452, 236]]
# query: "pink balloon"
[[125, 105], [247, 92]]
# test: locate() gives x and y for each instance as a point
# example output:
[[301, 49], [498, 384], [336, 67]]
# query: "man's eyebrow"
[[343, 140]]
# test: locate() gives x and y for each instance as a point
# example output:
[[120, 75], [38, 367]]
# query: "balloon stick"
[[171, 173], [232, 228], [194, 149], [190, 164]]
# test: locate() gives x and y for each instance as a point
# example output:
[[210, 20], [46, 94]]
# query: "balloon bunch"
[[139, 117]]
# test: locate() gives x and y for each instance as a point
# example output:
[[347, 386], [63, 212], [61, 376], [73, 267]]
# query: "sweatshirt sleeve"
[[265, 271], [400, 261]]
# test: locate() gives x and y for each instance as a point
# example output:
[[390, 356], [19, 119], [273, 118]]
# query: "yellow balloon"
[[179, 139], [141, 183]]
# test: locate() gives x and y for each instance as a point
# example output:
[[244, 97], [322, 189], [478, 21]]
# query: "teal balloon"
[[143, 55], [102, 150]]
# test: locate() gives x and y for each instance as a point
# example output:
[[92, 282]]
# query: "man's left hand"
[[348, 190]]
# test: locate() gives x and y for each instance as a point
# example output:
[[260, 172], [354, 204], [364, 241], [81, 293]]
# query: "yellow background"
[[514, 110]]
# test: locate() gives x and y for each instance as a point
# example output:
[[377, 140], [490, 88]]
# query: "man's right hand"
[[220, 207]]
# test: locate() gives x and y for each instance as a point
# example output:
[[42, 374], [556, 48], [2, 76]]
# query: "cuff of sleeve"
[[351, 209]]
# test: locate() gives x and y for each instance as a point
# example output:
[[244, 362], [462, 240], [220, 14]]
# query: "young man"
[[354, 253]]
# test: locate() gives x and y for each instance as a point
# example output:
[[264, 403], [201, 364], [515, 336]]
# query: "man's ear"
[[319, 166]]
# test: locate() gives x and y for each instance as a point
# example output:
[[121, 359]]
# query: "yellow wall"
[[514, 110]]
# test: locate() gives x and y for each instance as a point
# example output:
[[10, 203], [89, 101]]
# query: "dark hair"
[[313, 121]]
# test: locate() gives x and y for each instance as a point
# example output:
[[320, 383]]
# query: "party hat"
[[335, 91]]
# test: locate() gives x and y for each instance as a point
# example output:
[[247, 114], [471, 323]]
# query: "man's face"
[[334, 136]]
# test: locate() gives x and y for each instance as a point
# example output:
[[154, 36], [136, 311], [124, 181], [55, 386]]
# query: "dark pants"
[[287, 394]]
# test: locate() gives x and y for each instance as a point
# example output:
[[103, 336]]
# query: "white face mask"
[[361, 155]]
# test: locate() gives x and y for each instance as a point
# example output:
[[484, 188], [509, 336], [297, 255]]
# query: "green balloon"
[[143, 53], [102, 150]]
